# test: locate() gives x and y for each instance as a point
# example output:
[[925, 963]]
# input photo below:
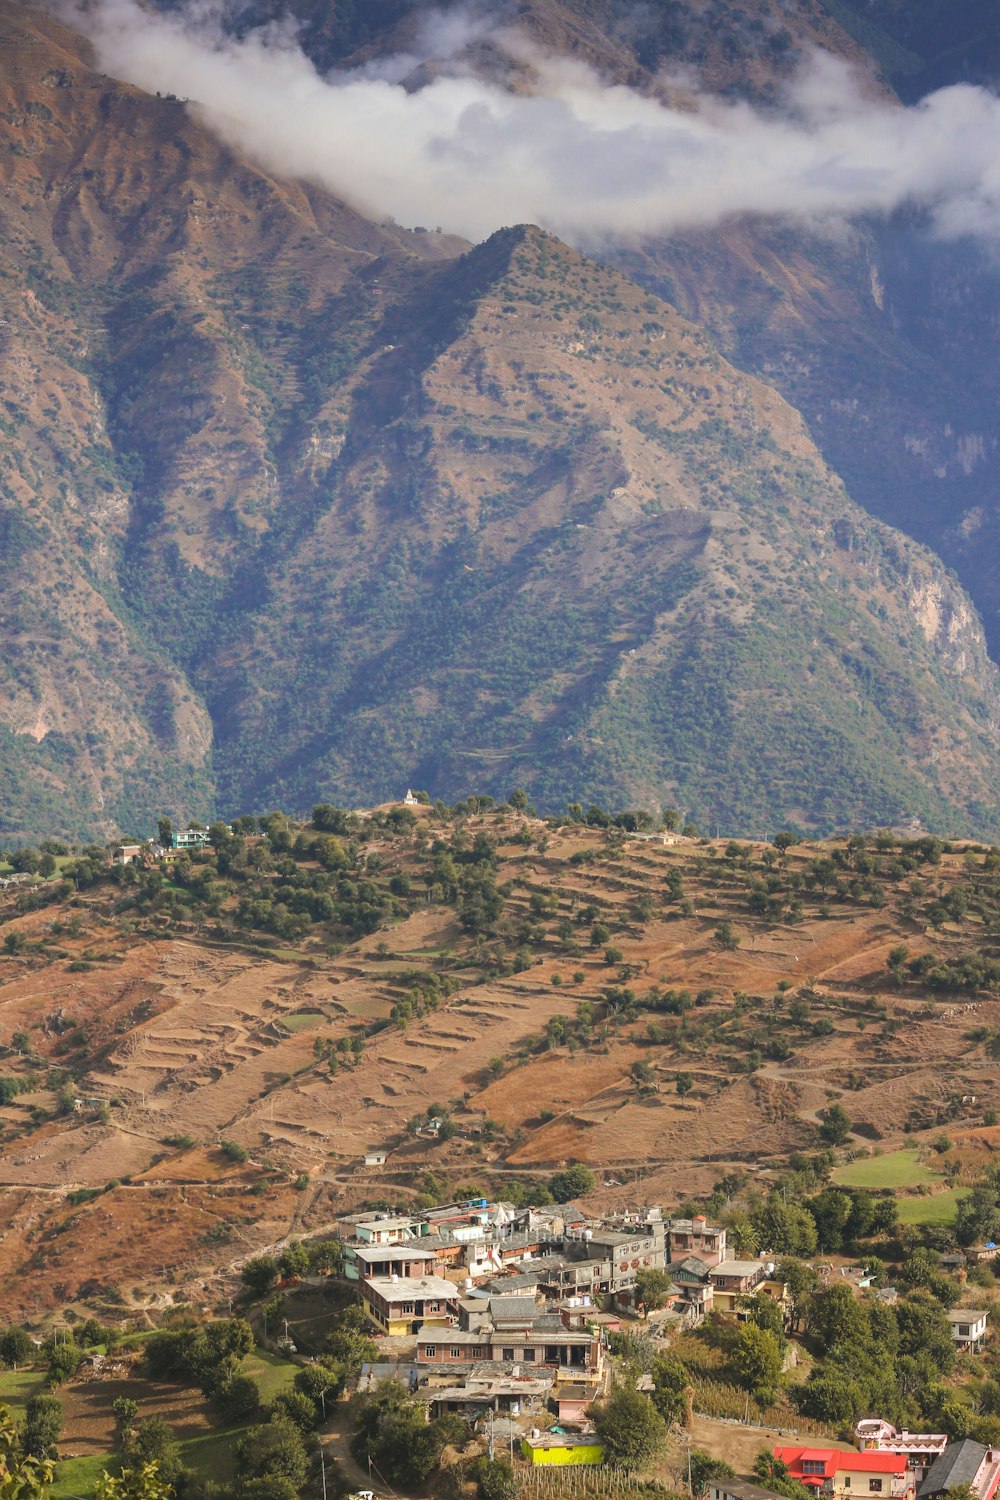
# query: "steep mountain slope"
[[325, 507], [598, 560], [883, 337], [124, 225]]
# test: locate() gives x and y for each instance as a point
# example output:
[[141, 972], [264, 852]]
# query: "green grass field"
[[303, 1020], [937, 1208], [272, 1373], [897, 1169], [76, 1478], [18, 1386]]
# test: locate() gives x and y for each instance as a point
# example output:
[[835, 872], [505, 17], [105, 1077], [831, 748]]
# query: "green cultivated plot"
[[17, 1388], [897, 1169], [938, 1208]]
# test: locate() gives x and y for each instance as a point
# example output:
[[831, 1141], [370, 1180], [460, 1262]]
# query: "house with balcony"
[[406, 1304], [968, 1327], [732, 1280], [920, 1449], [361, 1262]]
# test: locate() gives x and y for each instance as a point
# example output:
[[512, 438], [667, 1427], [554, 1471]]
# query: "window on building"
[[430, 1351], [529, 1354], [813, 1466], [456, 1353], [847, 1481], [406, 1307], [964, 1330], [507, 1354], [874, 1486]]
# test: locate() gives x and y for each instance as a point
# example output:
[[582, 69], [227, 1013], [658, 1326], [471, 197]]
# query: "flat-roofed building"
[[405, 1304]]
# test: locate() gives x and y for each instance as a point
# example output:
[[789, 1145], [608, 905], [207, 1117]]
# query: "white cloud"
[[578, 156]]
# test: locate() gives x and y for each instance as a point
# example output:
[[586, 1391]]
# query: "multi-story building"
[[920, 1449], [968, 1327], [695, 1236], [406, 1304], [733, 1280]]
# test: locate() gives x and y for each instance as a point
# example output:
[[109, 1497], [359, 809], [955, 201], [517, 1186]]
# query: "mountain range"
[[300, 505]]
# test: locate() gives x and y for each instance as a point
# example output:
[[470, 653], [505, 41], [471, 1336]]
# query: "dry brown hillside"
[[186, 1101]]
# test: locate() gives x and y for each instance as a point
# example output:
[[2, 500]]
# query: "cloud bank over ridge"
[[581, 157]]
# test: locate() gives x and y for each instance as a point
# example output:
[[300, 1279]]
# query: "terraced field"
[[206, 1118]]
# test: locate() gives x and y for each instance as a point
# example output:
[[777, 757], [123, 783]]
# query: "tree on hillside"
[[17, 1347], [630, 1430], [273, 1449], [703, 1468], [652, 1289], [259, 1274], [574, 1182], [495, 1478], [836, 1126], [757, 1358], [670, 1387], [42, 1424]]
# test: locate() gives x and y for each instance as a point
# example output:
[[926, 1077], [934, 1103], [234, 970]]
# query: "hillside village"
[[499, 1121]]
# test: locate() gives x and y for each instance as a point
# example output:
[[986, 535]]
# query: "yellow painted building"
[[562, 1448]]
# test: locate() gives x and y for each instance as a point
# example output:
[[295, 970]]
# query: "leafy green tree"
[[64, 1356], [21, 1476], [652, 1289], [630, 1430], [42, 1424], [757, 1358], [671, 1383], [298, 1408], [274, 1448], [764, 1312], [704, 1468], [142, 1483], [237, 1398], [17, 1347], [800, 1279], [294, 1260], [727, 937], [831, 1211], [348, 1344], [832, 1394], [977, 1218], [836, 1126], [126, 1410], [154, 1443], [495, 1478], [573, 1182], [784, 1228], [259, 1274]]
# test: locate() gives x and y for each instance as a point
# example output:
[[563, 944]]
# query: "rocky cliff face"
[[297, 506]]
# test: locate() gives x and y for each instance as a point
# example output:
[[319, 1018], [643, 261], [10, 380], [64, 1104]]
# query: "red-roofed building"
[[849, 1475]]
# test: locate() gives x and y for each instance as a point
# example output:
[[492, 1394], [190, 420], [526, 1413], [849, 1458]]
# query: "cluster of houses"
[[501, 1310], [152, 852], [503, 1314]]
